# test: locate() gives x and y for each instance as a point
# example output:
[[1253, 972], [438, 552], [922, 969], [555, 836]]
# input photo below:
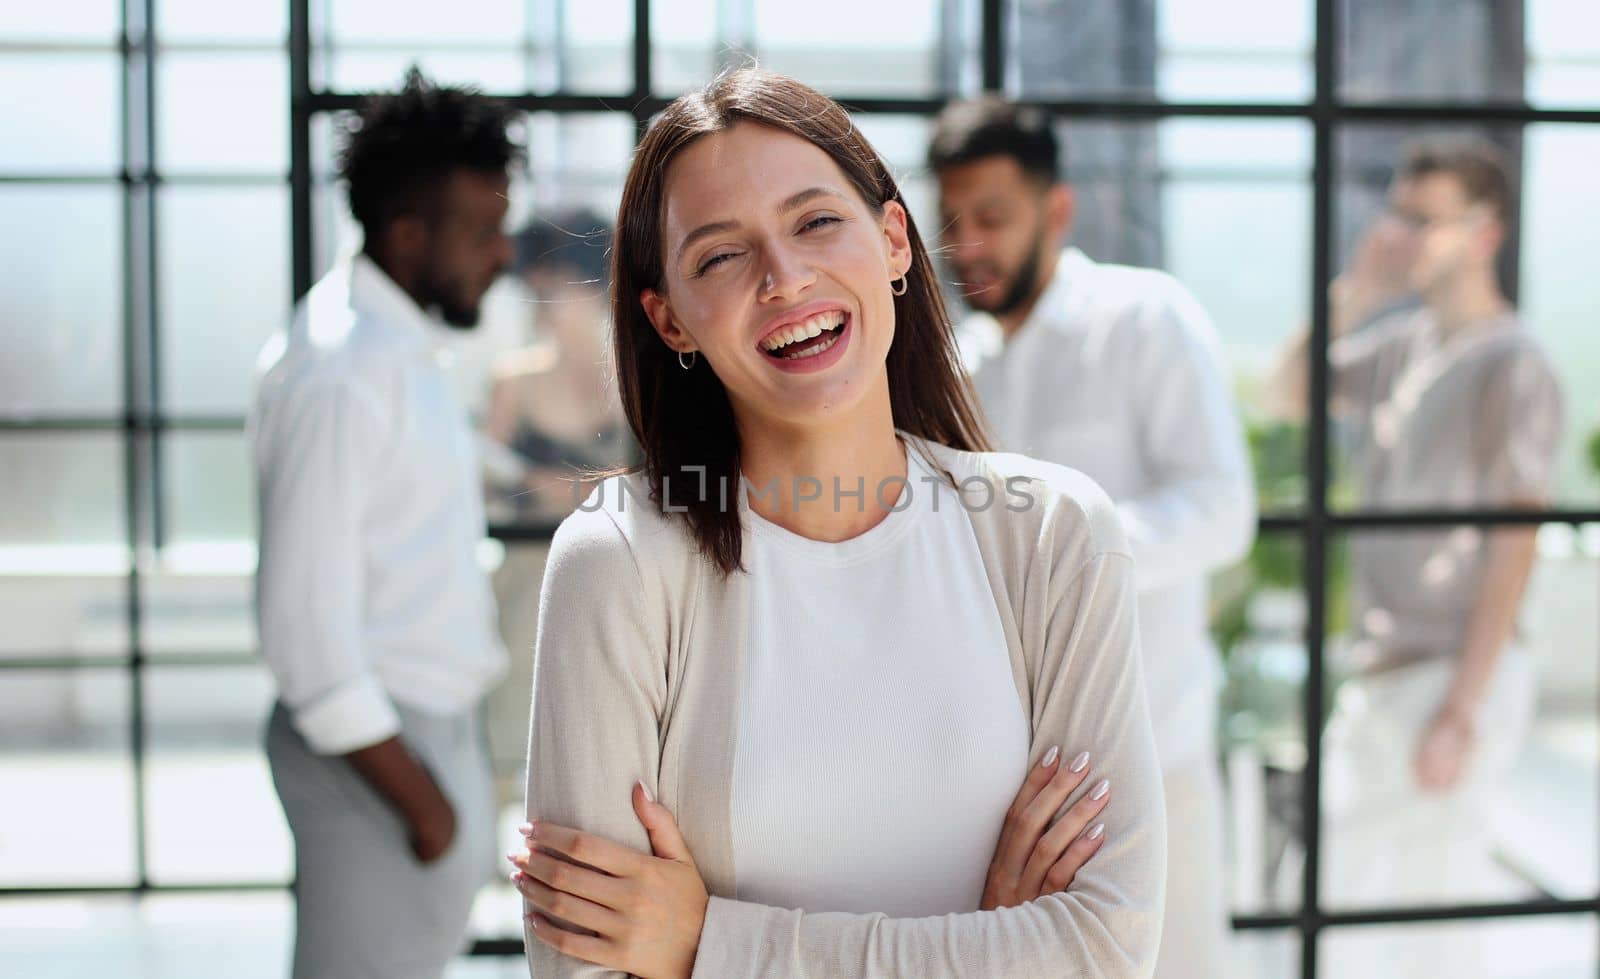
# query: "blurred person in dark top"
[[554, 404]]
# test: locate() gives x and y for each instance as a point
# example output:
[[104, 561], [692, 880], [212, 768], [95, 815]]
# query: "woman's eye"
[[819, 221], [712, 262]]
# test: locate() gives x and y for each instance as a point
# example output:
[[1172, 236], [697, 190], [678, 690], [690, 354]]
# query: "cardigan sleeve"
[[1087, 694], [599, 692]]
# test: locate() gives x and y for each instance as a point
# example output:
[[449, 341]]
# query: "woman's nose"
[[785, 276]]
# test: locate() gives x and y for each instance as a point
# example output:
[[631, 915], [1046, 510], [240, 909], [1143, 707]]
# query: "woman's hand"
[[612, 905], [1033, 857]]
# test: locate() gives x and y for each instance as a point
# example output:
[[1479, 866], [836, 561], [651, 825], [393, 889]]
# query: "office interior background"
[[167, 190]]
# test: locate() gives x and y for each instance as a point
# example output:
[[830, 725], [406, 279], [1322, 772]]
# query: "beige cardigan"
[[637, 675]]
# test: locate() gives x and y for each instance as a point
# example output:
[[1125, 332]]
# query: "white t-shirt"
[[881, 738]]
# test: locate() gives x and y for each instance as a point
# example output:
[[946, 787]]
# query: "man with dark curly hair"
[[376, 621]]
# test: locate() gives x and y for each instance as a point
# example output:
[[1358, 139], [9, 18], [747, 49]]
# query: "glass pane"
[[70, 115], [1563, 53], [685, 36], [222, 113], [1557, 292], [1523, 948], [902, 141], [66, 735], [1253, 178], [595, 48], [66, 20], [578, 159], [61, 298], [209, 786], [210, 502], [224, 288], [198, 596], [1266, 955], [501, 68], [1437, 409], [201, 20], [1258, 622], [890, 49], [1178, 50], [356, 21], [1547, 51], [241, 935], [1495, 801], [63, 546], [61, 499], [60, 614]]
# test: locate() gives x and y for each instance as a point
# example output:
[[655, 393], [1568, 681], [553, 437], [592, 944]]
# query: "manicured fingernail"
[[646, 789], [1100, 790], [1097, 832], [516, 877], [526, 829], [511, 858], [1079, 763], [1050, 756]]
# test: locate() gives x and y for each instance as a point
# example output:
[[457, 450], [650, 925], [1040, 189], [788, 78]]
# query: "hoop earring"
[[694, 355], [905, 284]]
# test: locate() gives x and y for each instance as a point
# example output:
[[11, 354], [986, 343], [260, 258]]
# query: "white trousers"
[[1388, 843]]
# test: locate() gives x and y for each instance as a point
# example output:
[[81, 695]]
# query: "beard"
[[1015, 291], [457, 306]]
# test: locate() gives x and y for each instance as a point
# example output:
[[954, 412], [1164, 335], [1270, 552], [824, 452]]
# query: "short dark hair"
[[991, 126], [576, 239], [402, 145], [1479, 166]]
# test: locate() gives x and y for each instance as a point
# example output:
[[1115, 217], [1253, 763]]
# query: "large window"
[[167, 190]]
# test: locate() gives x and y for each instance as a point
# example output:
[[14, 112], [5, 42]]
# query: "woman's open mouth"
[[811, 338]]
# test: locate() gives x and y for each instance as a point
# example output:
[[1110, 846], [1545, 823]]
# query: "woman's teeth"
[[811, 351], [812, 327]]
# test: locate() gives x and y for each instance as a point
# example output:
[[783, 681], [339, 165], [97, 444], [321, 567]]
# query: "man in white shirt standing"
[[376, 619], [1116, 372]]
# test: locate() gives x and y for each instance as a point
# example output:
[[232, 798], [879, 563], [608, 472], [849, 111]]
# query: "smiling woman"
[[787, 733]]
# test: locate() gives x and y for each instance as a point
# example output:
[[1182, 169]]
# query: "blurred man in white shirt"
[[1114, 371], [376, 620]]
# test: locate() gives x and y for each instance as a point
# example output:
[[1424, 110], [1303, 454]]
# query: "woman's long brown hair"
[[682, 418]]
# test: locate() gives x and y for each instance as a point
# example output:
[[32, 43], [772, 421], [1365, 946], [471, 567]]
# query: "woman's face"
[[778, 274]]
